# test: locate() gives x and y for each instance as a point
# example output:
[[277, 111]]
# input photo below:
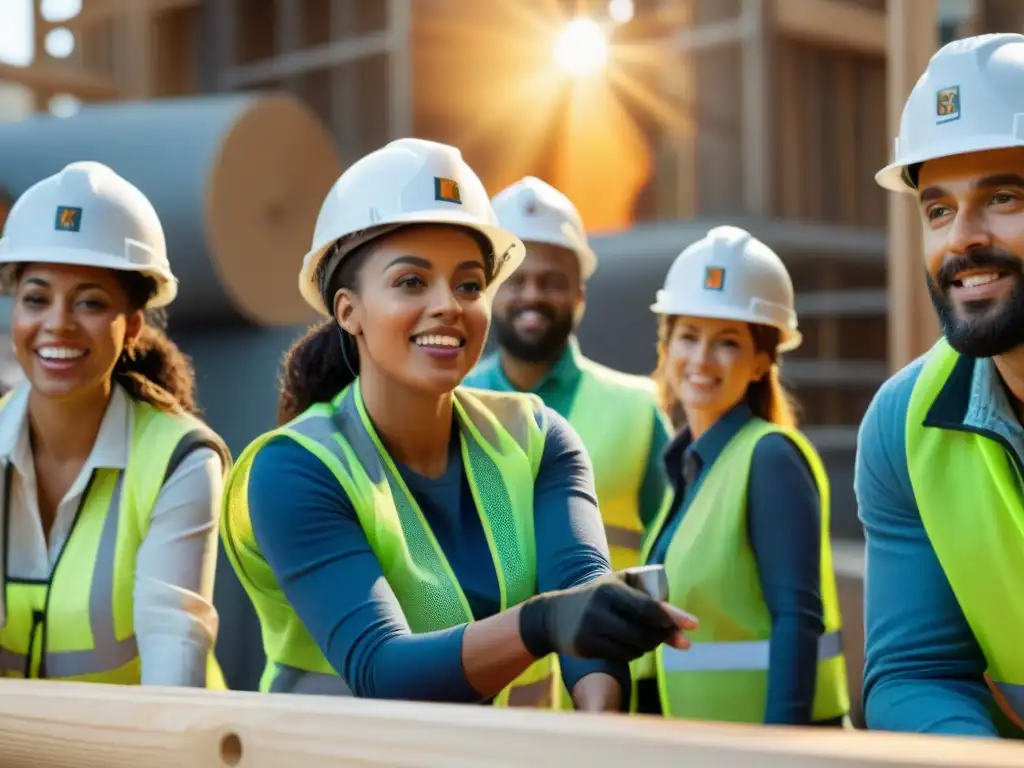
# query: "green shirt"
[[558, 391]]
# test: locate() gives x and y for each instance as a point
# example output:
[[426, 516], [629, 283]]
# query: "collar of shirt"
[[561, 378], [685, 457], [990, 406], [110, 451]]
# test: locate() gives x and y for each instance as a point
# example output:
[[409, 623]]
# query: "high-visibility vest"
[[501, 445], [613, 413], [79, 625], [967, 485], [712, 573]]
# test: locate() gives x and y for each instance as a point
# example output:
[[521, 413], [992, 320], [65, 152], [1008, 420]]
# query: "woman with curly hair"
[[111, 482], [402, 536]]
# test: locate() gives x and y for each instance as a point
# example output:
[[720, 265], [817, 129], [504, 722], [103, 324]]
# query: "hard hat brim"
[[166, 284], [508, 250], [789, 339], [891, 176]]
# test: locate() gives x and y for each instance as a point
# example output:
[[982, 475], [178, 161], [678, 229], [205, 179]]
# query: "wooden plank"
[[833, 24], [913, 327], [45, 724]]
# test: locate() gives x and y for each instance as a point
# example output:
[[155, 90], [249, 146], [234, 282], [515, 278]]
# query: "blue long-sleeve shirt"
[[784, 528], [309, 532], [923, 667]]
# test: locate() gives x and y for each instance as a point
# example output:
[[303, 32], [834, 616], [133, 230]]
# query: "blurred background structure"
[[659, 118]]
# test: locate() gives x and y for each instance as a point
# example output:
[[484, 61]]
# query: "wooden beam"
[[60, 79], [913, 327], [307, 59], [833, 24], [400, 69], [758, 94], [45, 723], [95, 11]]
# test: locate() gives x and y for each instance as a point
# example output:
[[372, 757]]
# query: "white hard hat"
[[731, 275], [539, 213], [969, 99], [409, 181], [87, 215]]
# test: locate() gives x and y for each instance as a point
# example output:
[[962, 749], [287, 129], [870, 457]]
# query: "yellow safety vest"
[[613, 413], [501, 446], [79, 625], [967, 486], [712, 573]]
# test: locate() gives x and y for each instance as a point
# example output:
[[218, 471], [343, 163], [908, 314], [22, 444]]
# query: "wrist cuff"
[[533, 627]]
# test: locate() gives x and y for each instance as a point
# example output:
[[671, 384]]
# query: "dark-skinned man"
[[941, 448], [534, 315]]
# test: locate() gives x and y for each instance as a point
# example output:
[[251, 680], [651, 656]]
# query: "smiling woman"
[[111, 481], [401, 536], [747, 531]]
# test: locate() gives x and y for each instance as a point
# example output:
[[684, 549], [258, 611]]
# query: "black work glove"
[[605, 619]]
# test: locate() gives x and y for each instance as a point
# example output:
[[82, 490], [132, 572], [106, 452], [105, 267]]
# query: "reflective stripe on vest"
[[614, 416], [749, 655], [623, 538], [68, 627], [712, 572], [108, 652], [974, 517], [501, 445], [294, 680]]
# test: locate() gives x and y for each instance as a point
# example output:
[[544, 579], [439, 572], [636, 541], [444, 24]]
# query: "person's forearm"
[[466, 664], [575, 671], [939, 707], [598, 692], [493, 653], [793, 670]]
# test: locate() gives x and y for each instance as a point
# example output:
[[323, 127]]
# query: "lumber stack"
[[47, 724]]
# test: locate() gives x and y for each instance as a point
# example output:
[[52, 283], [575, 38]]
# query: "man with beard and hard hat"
[[535, 314], [941, 448]]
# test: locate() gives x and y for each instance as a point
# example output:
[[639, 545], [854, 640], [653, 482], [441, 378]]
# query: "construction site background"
[[235, 116]]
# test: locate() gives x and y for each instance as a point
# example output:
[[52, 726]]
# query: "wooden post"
[[912, 38], [757, 86]]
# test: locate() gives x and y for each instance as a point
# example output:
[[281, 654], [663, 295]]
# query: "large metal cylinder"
[[236, 179]]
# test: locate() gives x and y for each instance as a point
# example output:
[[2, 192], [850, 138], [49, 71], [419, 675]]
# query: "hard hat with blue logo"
[[88, 215]]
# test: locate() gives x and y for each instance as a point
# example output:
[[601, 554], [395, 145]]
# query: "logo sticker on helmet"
[[447, 190], [68, 219], [947, 104], [714, 278]]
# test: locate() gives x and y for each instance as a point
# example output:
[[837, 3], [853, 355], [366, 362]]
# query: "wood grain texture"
[[47, 724]]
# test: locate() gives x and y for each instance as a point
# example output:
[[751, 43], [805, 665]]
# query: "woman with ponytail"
[[402, 536], [745, 539], [111, 482]]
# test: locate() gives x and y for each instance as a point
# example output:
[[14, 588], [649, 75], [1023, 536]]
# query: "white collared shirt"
[[175, 621]]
